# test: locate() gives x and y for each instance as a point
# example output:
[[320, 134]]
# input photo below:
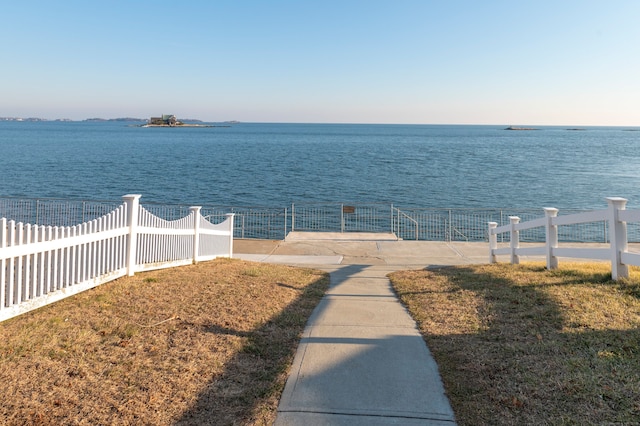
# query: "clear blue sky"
[[568, 62]]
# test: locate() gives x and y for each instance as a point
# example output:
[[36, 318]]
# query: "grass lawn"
[[207, 344], [517, 344]]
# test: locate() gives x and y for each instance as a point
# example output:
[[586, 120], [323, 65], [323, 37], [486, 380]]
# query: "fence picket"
[[65, 251], [19, 261], [108, 245], [26, 270], [10, 267], [74, 257], [55, 283]]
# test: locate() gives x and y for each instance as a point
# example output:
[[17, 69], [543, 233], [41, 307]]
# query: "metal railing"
[[405, 225], [341, 217], [431, 224], [254, 222], [55, 212]]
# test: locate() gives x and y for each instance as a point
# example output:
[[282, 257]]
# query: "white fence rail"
[[616, 216], [40, 265]]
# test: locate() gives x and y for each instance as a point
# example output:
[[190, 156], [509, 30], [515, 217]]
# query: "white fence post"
[[551, 237], [493, 242], [515, 239], [230, 217], [195, 211], [618, 237], [133, 203]]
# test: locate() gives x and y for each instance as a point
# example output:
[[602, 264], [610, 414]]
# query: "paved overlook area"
[[361, 360], [372, 249]]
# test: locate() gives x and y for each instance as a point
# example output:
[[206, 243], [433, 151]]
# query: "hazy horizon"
[[526, 126], [376, 62]]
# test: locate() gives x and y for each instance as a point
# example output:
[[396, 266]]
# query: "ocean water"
[[253, 164]]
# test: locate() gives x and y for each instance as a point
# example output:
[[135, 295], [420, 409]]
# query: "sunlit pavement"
[[327, 248]]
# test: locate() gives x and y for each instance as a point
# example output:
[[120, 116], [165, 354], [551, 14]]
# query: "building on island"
[[165, 120]]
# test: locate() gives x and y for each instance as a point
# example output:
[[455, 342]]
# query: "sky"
[[569, 62]]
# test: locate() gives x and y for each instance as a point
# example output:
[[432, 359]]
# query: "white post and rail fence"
[[40, 265], [616, 216]]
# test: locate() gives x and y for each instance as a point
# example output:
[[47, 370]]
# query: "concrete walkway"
[[361, 360]]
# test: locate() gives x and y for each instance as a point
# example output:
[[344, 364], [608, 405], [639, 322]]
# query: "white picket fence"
[[615, 215], [40, 265]]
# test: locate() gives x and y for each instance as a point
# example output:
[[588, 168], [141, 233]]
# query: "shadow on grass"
[[509, 354], [253, 379]]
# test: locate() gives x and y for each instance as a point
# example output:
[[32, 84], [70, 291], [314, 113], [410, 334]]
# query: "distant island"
[[31, 119], [114, 119], [164, 121], [520, 128], [170, 120], [36, 119]]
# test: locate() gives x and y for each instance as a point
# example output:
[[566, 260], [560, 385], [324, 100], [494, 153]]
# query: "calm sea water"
[[250, 164]]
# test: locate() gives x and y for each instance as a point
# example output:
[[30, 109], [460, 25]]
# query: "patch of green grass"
[[252, 272]]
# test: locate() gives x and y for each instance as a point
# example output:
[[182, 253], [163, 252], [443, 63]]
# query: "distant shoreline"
[[137, 122]]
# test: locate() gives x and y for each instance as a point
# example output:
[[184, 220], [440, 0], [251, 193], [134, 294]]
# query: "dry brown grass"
[[523, 345], [203, 344]]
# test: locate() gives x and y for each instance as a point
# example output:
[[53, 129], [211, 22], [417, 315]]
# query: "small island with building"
[[170, 120], [520, 128]]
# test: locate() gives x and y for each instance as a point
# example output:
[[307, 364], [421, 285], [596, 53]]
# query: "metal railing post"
[[293, 218], [391, 217], [285, 222]]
